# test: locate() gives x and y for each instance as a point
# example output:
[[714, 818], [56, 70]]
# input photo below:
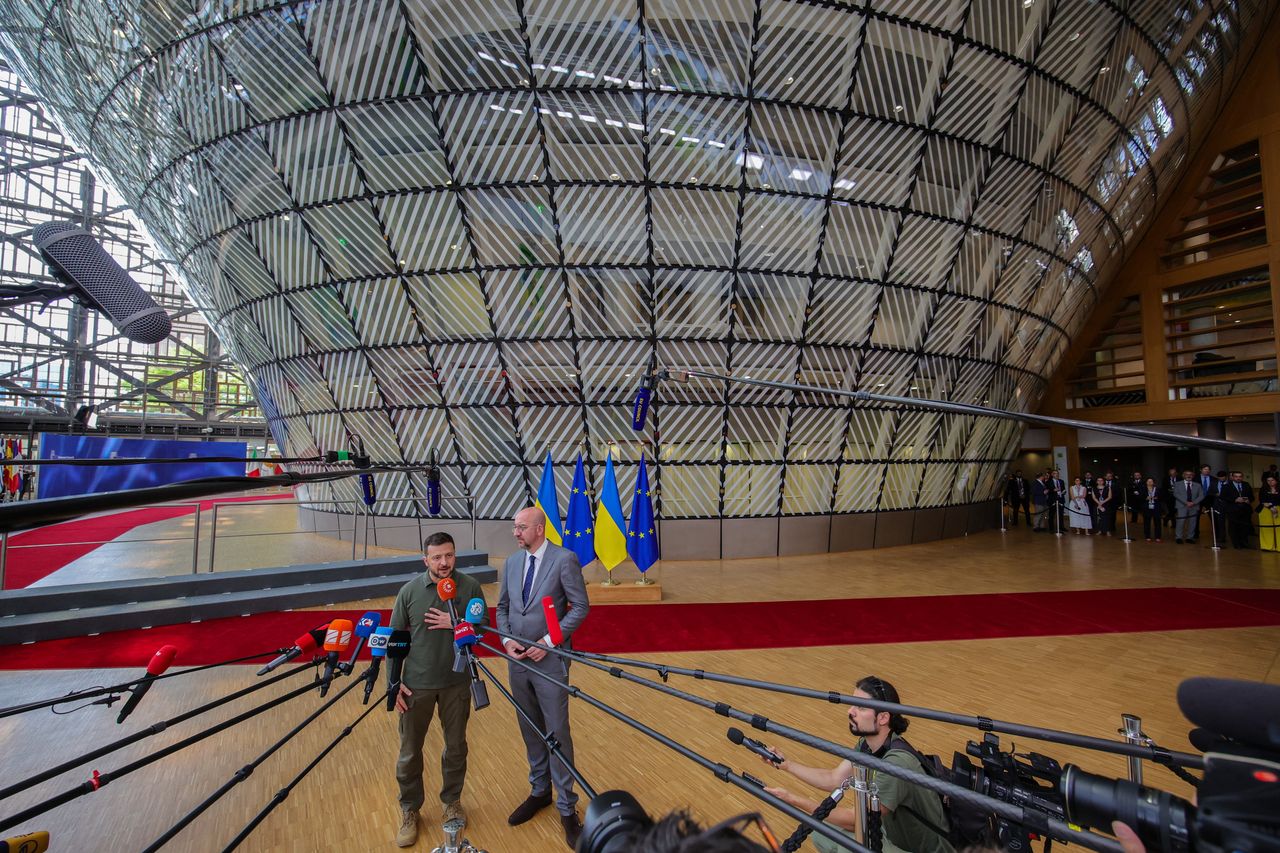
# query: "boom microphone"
[[433, 488], [305, 644], [640, 409], [737, 737], [1244, 711], [32, 842], [76, 259], [336, 641], [159, 662], [397, 651], [377, 651]]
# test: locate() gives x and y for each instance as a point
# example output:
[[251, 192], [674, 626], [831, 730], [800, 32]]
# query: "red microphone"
[[159, 662], [336, 642], [553, 621], [304, 645]]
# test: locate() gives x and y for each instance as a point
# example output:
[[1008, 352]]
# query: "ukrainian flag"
[[547, 503], [611, 538]]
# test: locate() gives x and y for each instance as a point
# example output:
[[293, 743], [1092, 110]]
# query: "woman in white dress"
[[1079, 508]]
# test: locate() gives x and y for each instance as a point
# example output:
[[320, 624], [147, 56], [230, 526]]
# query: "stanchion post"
[[213, 536], [1003, 527], [1125, 509], [195, 542], [1057, 514], [4, 556], [1213, 526], [862, 799]]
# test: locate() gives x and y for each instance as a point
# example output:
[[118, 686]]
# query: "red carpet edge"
[[654, 628]]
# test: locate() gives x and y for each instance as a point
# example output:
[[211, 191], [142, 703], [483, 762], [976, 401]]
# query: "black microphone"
[[159, 662], [755, 746], [397, 651], [76, 259], [640, 409], [1244, 711]]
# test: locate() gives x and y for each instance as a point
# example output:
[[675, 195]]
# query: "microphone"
[[447, 589], [367, 490], [397, 651], [464, 636], [553, 621], [77, 260], [159, 662], [433, 487], [640, 409], [477, 612], [736, 736], [1244, 711], [305, 644], [377, 651], [336, 641], [32, 842], [365, 627]]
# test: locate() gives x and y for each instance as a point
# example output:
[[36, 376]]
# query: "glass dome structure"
[[467, 229]]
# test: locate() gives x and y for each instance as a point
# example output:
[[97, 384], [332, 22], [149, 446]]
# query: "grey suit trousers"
[[548, 706]]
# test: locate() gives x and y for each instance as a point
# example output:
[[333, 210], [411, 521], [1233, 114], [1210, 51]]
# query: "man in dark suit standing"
[[1040, 501], [541, 569], [1238, 497], [1017, 494]]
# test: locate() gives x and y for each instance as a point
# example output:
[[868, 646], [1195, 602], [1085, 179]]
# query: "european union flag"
[[548, 504], [642, 535], [579, 537]]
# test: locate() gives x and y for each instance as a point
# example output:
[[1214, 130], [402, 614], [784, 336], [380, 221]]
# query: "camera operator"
[[906, 810]]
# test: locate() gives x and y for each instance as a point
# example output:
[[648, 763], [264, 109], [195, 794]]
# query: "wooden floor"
[[1078, 683]]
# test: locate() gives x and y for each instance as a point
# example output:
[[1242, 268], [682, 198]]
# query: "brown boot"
[[408, 833]]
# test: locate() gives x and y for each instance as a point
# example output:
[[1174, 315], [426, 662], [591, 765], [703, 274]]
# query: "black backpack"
[[970, 825]]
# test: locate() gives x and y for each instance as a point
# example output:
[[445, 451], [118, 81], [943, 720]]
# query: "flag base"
[[644, 581], [623, 593]]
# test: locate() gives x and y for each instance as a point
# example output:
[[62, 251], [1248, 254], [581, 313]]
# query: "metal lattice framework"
[[55, 358], [470, 227]]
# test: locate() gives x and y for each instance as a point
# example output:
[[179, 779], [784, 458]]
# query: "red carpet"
[[639, 628], [67, 542]]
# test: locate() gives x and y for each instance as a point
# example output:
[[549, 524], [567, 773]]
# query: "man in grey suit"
[[541, 569], [1187, 495]]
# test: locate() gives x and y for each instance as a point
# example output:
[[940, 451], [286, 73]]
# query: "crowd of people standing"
[[1176, 502]]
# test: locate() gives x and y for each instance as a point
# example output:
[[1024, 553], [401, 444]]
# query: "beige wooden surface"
[[1079, 683]]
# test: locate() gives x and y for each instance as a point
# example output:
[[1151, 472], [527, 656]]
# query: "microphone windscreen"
[[1244, 711], [338, 637], [368, 623], [447, 588], [554, 633], [640, 410], [398, 644], [76, 257], [433, 491], [378, 642], [464, 635], [161, 660], [735, 735], [308, 642], [477, 612], [32, 842]]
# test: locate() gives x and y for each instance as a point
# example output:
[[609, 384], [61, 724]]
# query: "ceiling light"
[[1073, 36], [801, 174], [1104, 69], [560, 69], [788, 81]]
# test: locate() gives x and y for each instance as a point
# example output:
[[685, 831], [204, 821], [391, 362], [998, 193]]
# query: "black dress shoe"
[[572, 829], [530, 807]]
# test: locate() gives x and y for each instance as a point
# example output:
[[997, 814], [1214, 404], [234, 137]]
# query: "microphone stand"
[[98, 780], [154, 729], [1149, 752], [721, 772], [120, 688], [247, 771], [1023, 816], [283, 793]]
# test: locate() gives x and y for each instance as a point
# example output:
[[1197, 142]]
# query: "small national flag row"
[[606, 535]]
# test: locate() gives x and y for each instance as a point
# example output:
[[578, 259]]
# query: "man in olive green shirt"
[[429, 682], [902, 804]]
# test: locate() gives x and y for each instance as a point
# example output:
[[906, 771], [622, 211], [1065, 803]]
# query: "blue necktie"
[[528, 580]]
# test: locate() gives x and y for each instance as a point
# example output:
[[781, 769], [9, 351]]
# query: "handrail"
[[213, 527]]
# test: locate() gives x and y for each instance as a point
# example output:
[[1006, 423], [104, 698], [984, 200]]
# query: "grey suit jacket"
[[1182, 494], [560, 576]]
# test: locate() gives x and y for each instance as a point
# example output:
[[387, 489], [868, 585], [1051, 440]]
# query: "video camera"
[[1238, 799]]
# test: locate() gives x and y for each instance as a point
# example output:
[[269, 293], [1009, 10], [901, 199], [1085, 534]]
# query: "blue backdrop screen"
[[59, 481]]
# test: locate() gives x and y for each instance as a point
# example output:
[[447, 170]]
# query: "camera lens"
[[1159, 818]]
